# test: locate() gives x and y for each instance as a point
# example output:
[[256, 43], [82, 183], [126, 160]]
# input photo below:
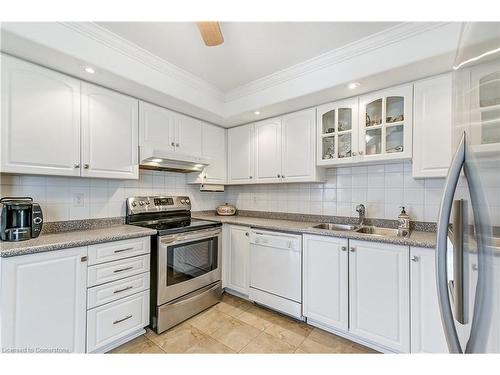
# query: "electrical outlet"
[[78, 200]]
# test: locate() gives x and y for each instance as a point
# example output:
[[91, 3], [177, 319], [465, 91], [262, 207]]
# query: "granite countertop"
[[64, 240], [417, 238]]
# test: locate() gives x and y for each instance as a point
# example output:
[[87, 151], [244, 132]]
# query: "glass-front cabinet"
[[337, 129], [485, 107], [385, 124]]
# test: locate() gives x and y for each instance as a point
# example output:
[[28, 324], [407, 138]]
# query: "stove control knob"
[[134, 204], [148, 203], [141, 203], [183, 201], [187, 201]]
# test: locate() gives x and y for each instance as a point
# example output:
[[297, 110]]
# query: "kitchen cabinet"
[[240, 154], [237, 259], [53, 124], [276, 150], [40, 132], [385, 124], [298, 134], [43, 300], [325, 281], [187, 135], [109, 133], [432, 144], [267, 138], [427, 334], [156, 127], [213, 149], [484, 99], [379, 294], [337, 129]]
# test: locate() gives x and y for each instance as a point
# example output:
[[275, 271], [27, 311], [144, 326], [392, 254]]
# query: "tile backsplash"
[[72, 198], [382, 188]]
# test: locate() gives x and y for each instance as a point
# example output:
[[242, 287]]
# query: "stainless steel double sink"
[[371, 230]]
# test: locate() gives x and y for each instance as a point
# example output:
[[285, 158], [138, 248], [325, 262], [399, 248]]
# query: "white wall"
[[101, 197], [381, 188]]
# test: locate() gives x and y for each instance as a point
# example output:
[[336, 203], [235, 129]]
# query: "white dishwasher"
[[276, 271]]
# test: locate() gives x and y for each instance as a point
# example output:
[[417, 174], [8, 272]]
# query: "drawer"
[[109, 251], [108, 323], [106, 272], [109, 292]]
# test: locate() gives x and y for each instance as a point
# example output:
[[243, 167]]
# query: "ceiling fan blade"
[[210, 32]]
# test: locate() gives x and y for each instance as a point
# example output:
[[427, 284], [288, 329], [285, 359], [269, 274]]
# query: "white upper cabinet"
[[109, 133], [156, 127], [379, 294], [337, 129], [432, 144], [267, 135], [427, 333], [214, 148], [40, 132], [43, 296], [325, 282], [240, 154], [385, 124], [187, 135], [298, 134]]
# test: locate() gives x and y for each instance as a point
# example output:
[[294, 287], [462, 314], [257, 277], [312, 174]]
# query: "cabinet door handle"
[[123, 269], [173, 144], [122, 250], [247, 234], [86, 166], [83, 259], [77, 165], [123, 289], [344, 248], [122, 320], [250, 176], [414, 259], [352, 249], [361, 152], [279, 175], [177, 145]]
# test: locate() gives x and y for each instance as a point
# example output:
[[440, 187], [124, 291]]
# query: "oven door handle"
[[190, 236]]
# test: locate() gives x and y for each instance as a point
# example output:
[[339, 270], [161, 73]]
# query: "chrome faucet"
[[360, 209]]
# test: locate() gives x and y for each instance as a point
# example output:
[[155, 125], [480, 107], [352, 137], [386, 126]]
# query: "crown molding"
[[375, 41], [111, 40]]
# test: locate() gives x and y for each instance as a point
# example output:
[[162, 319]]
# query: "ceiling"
[[250, 50]]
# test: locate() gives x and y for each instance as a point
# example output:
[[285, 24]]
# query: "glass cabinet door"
[[385, 122], [336, 124]]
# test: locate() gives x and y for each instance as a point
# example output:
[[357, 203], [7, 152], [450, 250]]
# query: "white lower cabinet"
[[43, 301], [325, 288], [379, 294], [236, 258], [427, 334], [108, 323]]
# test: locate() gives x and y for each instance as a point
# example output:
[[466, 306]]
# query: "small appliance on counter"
[[226, 209], [20, 219]]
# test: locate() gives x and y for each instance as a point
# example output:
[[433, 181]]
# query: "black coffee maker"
[[20, 219]]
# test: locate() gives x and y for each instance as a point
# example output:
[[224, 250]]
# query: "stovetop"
[[177, 226]]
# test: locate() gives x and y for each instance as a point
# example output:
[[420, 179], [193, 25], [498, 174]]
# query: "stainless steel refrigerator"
[[468, 238]]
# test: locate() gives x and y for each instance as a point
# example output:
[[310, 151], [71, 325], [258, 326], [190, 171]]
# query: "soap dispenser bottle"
[[403, 223]]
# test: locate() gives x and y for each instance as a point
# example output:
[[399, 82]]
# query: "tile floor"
[[238, 326]]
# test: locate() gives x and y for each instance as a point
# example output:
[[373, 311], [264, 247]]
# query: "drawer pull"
[[122, 250], [123, 269], [122, 320], [123, 289]]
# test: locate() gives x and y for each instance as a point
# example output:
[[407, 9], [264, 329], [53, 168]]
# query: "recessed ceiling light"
[[353, 85], [256, 113], [89, 69]]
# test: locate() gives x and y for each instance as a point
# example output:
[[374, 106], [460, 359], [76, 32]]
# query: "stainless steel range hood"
[[165, 160]]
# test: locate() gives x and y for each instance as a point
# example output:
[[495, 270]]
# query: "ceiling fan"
[[211, 33]]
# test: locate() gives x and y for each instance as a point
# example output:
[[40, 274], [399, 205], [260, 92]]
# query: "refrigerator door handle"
[[441, 248]]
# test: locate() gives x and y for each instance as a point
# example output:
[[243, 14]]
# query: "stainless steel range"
[[185, 261]]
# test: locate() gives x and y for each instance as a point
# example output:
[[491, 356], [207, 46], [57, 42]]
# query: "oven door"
[[187, 262]]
